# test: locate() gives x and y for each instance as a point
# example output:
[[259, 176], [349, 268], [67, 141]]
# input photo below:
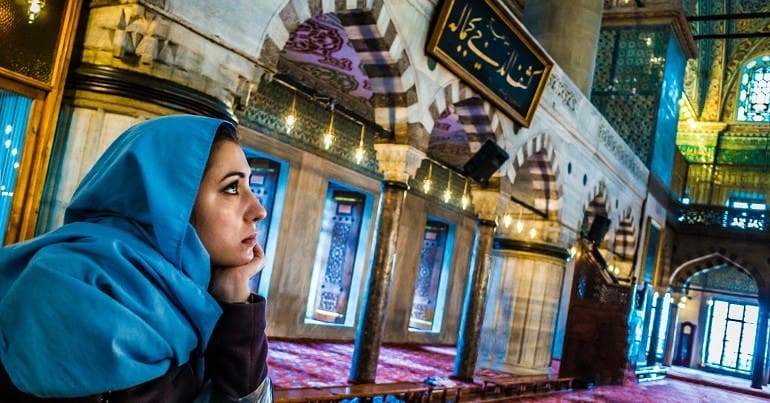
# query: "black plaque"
[[487, 47]]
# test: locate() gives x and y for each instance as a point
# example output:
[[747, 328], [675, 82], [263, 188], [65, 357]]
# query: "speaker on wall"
[[599, 228], [482, 165]]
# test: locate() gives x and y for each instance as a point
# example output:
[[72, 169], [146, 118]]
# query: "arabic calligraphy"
[[471, 35], [486, 46]]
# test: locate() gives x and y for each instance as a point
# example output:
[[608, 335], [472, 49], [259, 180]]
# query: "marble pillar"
[[655, 331], [521, 309], [488, 204], [398, 163], [569, 31], [673, 325]]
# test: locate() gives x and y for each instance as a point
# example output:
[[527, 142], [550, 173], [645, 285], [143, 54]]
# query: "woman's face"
[[225, 209]]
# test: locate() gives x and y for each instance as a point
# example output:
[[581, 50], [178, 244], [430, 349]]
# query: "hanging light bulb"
[[426, 185], [519, 223], [465, 201], [360, 152], [328, 137], [532, 233], [35, 7], [507, 220], [448, 190], [291, 117]]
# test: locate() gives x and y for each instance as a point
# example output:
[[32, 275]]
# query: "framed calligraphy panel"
[[487, 47]]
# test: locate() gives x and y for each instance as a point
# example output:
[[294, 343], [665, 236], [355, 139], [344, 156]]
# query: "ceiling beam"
[[733, 35], [743, 16]]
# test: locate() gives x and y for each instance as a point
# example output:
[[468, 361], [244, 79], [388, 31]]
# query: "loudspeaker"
[[485, 162], [599, 228]]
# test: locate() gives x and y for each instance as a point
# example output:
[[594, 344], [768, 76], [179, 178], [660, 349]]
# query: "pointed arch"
[[678, 280], [373, 35]]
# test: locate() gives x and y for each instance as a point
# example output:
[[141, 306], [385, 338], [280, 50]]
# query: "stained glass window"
[[754, 95]]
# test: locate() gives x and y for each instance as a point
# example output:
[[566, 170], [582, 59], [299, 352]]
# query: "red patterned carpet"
[[295, 364]]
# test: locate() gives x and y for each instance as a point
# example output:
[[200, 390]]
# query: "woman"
[[146, 281]]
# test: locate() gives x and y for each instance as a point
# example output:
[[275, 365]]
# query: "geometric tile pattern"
[[725, 279], [269, 104], [627, 82]]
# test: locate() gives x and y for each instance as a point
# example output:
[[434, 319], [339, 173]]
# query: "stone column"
[[655, 332], [569, 32], [488, 203], [398, 163], [673, 325], [758, 366]]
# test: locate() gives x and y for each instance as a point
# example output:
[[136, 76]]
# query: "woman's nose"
[[255, 211]]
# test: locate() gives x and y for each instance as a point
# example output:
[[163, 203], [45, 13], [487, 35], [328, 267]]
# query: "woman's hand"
[[231, 284]]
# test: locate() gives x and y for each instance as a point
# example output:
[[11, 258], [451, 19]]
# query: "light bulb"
[[35, 7], [327, 140], [532, 232], [426, 186], [447, 196], [290, 121], [519, 226], [507, 221], [360, 152], [465, 201]]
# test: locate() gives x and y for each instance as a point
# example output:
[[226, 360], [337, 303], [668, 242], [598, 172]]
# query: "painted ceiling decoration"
[[319, 52]]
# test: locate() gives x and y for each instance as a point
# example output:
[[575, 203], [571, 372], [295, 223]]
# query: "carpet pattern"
[[295, 364]]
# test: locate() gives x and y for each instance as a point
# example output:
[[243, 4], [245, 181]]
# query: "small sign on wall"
[[488, 48]]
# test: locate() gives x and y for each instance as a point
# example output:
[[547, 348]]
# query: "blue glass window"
[[14, 114]]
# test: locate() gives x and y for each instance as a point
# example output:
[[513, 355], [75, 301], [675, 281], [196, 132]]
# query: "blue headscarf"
[[118, 295]]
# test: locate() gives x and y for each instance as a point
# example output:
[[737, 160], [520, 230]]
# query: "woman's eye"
[[232, 188]]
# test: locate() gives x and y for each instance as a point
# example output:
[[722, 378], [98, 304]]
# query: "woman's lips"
[[250, 240]]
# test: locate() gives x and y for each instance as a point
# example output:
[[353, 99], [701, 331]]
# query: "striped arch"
[[685, 270], [473, 111], [597, 204], [373, 35], [625, 236], [538, 155]]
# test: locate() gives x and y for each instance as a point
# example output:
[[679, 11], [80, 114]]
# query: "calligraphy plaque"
[[487, 47]]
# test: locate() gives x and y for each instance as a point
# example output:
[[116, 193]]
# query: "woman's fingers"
[[231, 284]]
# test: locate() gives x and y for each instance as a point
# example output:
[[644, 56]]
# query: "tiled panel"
[[269, 105], [726, 279], [627, 82]]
